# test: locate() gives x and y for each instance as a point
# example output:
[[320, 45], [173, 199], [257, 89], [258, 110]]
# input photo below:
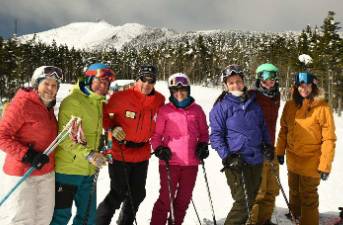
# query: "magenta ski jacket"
[[180, 129]]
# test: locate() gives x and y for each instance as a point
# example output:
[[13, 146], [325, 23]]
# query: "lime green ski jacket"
[[71, 157]]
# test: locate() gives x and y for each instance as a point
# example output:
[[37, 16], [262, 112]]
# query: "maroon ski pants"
[[183, 181]]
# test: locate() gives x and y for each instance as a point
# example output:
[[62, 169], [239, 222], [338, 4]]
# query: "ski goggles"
[[303, 78], [267, 75], [179, 81], [101, 73], [147, 79], [53, 72], [232, 70]]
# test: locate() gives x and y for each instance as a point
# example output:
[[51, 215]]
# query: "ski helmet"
[[148, 71], [98, 70], [231, 70], [266, 71], [46, 72], [179, 80]]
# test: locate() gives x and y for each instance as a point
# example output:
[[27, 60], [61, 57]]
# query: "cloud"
[[181, 15]]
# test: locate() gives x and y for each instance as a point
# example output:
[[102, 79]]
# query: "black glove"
[[163, 153], [233, 161], [202, 150], [35, 159], [281, 159], [324, 176], [268, 151]]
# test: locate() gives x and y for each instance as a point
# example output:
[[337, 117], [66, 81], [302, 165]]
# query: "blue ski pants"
[[69, 189]]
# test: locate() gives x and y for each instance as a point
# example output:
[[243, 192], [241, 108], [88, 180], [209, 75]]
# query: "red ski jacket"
[[136, 113], [270, 108], [27, 121]]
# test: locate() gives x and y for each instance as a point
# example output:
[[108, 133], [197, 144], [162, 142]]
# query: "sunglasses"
[[303, 77], [53, 72], [267, 75], [179, 81], [147, 79]]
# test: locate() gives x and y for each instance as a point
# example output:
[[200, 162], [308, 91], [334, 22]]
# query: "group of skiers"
[[242, 132]]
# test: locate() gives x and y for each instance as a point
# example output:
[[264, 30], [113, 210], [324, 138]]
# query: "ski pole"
[[60, 137], [127, 181], [245, 195], [208, 191], [196, 211], [294, 219], [171, 201]]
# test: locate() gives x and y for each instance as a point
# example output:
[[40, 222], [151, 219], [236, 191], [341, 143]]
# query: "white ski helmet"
[[178, 79], [46, 72]]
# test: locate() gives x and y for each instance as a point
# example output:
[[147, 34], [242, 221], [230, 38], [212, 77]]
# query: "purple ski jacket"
[[238, 127]]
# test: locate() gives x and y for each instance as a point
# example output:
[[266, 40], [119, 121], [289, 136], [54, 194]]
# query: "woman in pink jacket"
[[26, 130], [180, 140]]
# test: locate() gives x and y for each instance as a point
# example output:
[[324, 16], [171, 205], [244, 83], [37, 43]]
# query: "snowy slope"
[[329, 191], [92, 35]]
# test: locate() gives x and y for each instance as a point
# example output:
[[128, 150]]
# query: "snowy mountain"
[[96, 35], [104, 36]]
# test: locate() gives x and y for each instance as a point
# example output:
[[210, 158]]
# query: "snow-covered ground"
[[330, 191]]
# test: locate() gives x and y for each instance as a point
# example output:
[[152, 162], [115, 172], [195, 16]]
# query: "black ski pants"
[[122, 173]]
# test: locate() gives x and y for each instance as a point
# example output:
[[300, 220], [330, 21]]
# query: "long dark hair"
[[298, 99], [220, 97]]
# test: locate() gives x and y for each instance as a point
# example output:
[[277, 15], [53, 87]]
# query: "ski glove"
[[118, 134], [35, 159], [268, 151], [96, 159], [281, 159], [163, 153], [202, 150], [233, 161], [324, 176]]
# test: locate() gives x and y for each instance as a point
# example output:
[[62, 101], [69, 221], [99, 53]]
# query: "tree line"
[[201, 55]]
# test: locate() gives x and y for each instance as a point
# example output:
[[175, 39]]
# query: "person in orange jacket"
[[132, 115], [307, 137]]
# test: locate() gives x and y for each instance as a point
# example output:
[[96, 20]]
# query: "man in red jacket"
[[132, 115]]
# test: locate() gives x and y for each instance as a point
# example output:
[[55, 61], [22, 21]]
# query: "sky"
[[181, 15]]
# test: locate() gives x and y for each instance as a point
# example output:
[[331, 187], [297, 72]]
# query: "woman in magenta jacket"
[[181, 138], [26, 130]]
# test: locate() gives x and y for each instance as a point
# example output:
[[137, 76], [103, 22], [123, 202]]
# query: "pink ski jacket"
[[180, 130], [27, 121]]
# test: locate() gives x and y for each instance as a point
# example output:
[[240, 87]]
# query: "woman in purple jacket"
[[181, 141], [239, 135]]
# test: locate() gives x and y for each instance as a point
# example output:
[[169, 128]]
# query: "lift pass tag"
[[129, 114]]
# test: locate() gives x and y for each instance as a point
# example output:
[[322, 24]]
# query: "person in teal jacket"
[[76, 163]]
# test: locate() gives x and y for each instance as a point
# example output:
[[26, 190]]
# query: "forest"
[[202, 56]]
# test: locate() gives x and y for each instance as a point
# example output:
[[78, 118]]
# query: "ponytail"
[[220, 97]]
